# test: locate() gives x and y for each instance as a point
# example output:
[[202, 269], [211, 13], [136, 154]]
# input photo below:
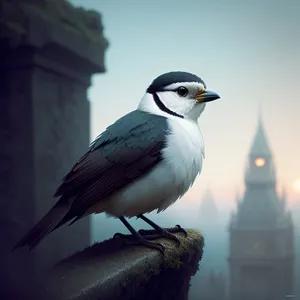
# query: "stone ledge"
[[55, 26], [110, 270]]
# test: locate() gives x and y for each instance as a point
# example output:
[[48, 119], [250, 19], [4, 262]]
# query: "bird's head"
[[179, 94]]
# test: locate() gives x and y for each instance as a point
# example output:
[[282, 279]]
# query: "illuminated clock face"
[[259, 162]]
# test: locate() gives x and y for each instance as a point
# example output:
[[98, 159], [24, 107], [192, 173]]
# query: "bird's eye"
[[182, 91]]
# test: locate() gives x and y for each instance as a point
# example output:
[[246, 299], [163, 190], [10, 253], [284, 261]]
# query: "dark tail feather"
[[66, 219], [44, 226], [75, 220]]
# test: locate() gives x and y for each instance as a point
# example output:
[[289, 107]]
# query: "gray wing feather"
[[127, 150]]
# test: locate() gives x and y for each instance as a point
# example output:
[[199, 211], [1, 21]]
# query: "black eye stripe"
[[163, 108]]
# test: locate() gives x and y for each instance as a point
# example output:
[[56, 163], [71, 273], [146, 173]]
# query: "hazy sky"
[[247, 51]]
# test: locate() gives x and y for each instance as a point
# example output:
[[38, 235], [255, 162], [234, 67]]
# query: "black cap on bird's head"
[[180, 94], [160, 83], [166, 79]]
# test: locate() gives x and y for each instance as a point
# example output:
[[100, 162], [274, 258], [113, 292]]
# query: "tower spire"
[[259, 113], [208, 206], [260, 144], [260, 168], [260, 180]]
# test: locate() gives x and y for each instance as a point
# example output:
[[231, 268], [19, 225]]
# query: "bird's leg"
[[161, 232], [136, 238]]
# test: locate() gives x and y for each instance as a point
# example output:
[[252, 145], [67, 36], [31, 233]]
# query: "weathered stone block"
[[109, 270], [48, 50]]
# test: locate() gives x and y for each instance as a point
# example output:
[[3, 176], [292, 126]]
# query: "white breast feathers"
[[169, 180], [183, 156]]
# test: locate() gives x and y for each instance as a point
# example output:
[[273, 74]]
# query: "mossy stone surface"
[[112, 270]]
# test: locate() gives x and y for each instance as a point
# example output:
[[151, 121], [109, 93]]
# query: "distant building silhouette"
[[215, 286], [210, 282], [208, 208], [261, 238], [296, 219]]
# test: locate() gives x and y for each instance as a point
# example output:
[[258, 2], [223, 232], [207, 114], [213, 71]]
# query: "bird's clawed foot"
[[161, 232], [153, 234], [143, 237], [138, 239], [177, 229]]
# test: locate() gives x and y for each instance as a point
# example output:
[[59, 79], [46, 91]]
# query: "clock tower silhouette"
[[261, 237]]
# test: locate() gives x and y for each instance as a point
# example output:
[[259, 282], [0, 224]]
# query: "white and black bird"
[[143, 162]]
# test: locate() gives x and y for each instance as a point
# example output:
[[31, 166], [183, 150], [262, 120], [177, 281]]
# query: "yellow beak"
[[206, 96]]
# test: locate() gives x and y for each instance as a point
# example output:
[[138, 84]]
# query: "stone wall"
[[49, 50], [113, 271]]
